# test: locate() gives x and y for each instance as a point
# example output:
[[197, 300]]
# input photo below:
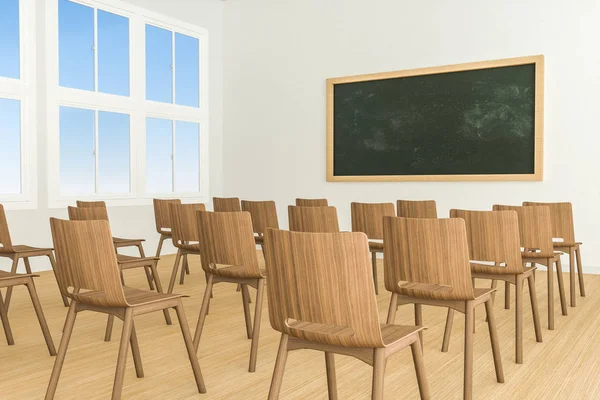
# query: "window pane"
[[187, 150], [75, 45], [159, 80], [113, 152], [10, 150], [9, 39], [159, 150], [113, 53], [187, 70], [77, 161]]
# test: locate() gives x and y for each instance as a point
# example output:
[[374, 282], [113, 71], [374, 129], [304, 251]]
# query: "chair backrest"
[[321, 288], [493, 236], [5, 242], [535, 228], [91, 204], [86, 260], [263, 214], [561, 215], [312, 202], [226, 204], [87, 214], [313, 219], [162, 213], [368, 218], [184, 225], [226, 238], [417, 208], [427, 258]]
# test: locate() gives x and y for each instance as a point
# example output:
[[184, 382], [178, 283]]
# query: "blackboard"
[[477, 121]]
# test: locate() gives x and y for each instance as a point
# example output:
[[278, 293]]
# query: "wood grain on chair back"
[[226, 204], [368, 218], [87, 214], [86, 260], [312, 202], [535, 228], [263, 214], [493, 236], [427, 258], [184, 225], [417, 208], [5, 242], [227, 239], [313, 219], [91, 204], [561, 215], [162, 213], [321, 289]]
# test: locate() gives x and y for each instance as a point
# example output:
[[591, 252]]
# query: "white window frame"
[[135, 105], [24, 90]]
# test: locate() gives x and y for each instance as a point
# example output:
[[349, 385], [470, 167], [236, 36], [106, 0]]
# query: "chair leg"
[[160, 245], [149, 276], [189, 345], [62, 352], [277, 378], [572, 277], [9, 290], [374, 262], [109, 327], [160, 290], [40, 316], [417, 355], [182, 275], [468, 368], [122, 358], [419, 321], [135, 351], [489, 310], [494, 285], [6, 323], [506, 296], [534, 308], [519, 318], [378, 373], [27, 265], [187, 266], [580, 271], [331, 380], [561, 287], [203, 312], [260, 290], [65, 299], [448, 330], [247, 316], [550, 275], [174, 272], [391, 317]]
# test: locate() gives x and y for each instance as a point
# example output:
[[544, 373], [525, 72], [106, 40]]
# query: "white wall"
[[31, 227], [278, 55]]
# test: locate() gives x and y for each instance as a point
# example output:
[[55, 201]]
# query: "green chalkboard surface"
[[478, 123]]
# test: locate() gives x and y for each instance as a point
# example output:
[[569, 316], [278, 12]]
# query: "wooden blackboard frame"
[[538, 61]]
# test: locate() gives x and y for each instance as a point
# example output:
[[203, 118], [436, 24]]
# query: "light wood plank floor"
[[565, 366]]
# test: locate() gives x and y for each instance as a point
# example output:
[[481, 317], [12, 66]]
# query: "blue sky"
[[77, 126]]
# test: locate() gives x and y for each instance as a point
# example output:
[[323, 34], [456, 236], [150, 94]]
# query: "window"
[[17, 104], [127, 99]]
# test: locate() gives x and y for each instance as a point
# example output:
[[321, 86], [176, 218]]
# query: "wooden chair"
[[88, 265], [493, 237], [226, 204], [312, 202], [17, 252], [368, 218], [313, 219], [563, 228], [162, 217], [228, 254], [535, 231], [321, 298], [185, 236], [427, 262], [264, 215], [417, 208], [125, 262]]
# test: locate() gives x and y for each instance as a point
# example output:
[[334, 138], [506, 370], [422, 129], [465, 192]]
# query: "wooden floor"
[[565, 366]]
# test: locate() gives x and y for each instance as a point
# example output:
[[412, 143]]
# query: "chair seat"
[[126, 242], [134, 297], [195, 247], [29, 249], [166, 233], [393, 333], [132, 262], [376, 246], [566, 245], [235, 271], [530, 254], [259, 239]]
